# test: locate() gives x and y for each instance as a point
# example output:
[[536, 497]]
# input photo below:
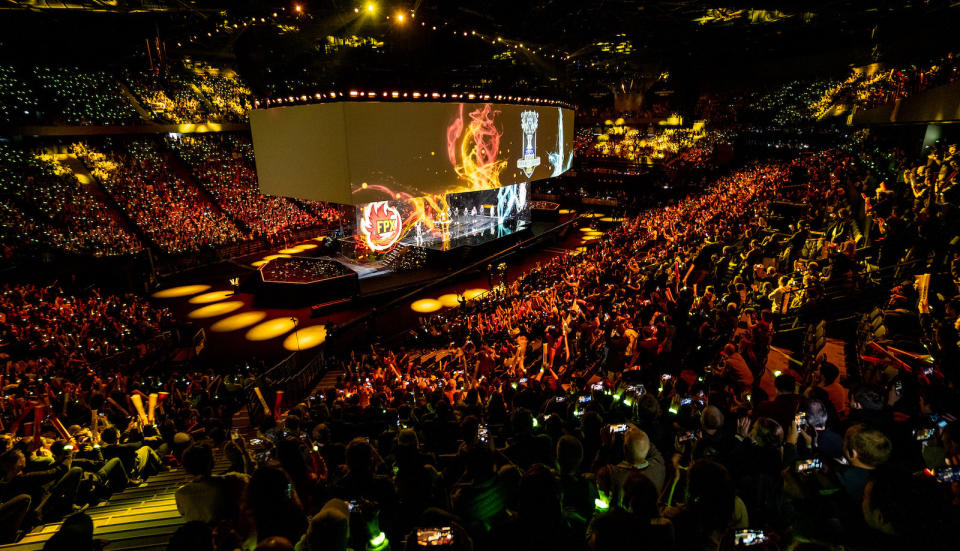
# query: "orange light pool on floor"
[[216, 309], [305, 338], [587, 229], [471, 294], [426, 305], [611, 219], [590, 237], [181, 291], [292, 250], [565, 211], [450, 300], [237, 321], [306, 246], [272, 256], [259, 263], [212, 296], [270, 329]]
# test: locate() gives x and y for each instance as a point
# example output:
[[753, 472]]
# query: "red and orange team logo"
[[380, 225]]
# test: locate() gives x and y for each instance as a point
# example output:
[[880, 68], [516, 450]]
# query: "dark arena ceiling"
[[568, 49]]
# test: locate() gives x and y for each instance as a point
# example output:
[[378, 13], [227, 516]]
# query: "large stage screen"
[[361, 152]]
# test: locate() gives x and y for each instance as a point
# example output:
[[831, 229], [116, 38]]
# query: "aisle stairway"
[[138, 518]]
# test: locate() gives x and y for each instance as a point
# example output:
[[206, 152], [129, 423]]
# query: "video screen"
[[364, 152], [444, 221]]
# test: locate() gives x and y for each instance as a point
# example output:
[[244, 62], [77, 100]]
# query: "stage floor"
[[465, 230]]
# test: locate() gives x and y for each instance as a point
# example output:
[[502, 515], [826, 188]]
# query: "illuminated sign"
[[380, 225], [529, 161]]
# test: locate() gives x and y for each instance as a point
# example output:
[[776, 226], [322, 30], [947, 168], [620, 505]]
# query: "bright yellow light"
[[298, 8], [426, 305], [270, 329], [611, 219], [182, 291], [587, 229], [450, 300], [291, 250], [305, 338], [590, 237], [212, 296], [237, 321], [471, 294], [593, 215], [399, 18], [259, 263], [272, 256], [217, 309], [565, 211], [371, 7], [306, 246]]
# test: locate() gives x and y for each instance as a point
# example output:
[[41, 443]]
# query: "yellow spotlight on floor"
[[566, 211], [471, 294], [590, 237], [217, 309], [270, 329], [291, 250], [611, 219], [306, 246], [182, 291], [594, 232], [587, 229], [305, 338], [259, 263], [449, 300], [238, 321], [593, 215], [272, 256], [212, 296], [426, 305]]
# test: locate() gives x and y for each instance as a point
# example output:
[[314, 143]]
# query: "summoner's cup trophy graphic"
[[529, 161]]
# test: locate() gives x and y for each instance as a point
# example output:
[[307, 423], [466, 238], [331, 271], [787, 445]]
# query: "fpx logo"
[[380, 225]]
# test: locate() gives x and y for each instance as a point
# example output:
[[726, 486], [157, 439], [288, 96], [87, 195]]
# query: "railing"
[[295, 375]]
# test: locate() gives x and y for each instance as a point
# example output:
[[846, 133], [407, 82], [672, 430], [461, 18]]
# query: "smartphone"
[[622, 427], [585, 399], [597, 387], [947, 474], [256, 442], [559, 399], [353, 505], [687, 437], [809, 465], [800, 419], [898, 386], [636, 389], [666, 377], [925, 434], [686, 401], [522, 381], [234, 433], [431, 537], [749, 537], [483, 434], [928, 371]]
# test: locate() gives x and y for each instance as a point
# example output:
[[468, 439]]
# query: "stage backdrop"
[[361, 152]]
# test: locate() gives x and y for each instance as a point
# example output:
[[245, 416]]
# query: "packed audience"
[[169, 210], [86, 97], [223, 164], [301, 270], [73, 219], [169, 97], [18, 102]]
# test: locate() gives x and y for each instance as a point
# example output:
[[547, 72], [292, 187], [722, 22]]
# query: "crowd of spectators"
[[169, 97], [300, 270], [18, 102], [223, 164], [73, 95], [71, 219], [620, 397], [170, 211]]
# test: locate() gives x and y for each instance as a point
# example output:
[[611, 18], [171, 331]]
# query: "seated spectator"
[[208, 498]]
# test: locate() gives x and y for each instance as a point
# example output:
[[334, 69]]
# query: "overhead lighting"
[[371, 7], [400, 18]]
